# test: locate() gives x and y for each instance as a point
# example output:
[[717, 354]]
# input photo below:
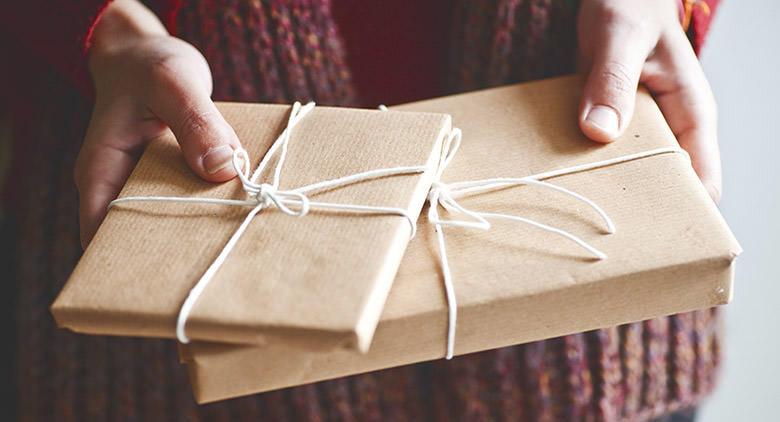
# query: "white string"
[[446, 195], [292, 202]]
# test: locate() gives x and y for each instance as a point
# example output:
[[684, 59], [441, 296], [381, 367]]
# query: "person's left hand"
[[625, 42]]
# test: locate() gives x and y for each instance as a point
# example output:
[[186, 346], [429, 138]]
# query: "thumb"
[[610, 89], [206, 139]]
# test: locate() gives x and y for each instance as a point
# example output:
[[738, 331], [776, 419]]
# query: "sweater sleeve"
[[696, 17], [58, 32]]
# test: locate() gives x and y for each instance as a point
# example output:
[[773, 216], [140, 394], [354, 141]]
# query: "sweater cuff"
[[78, 72], [166, 11], [696, 17]]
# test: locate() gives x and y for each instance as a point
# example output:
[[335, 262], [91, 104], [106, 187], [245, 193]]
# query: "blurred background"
[[742, 60]]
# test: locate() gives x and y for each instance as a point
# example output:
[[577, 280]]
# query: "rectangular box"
[[672, 252], [319, 281]]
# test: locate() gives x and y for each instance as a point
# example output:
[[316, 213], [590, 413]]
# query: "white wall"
[[742, 61]]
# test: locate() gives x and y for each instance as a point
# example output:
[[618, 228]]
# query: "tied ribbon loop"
[[260, 196], [267, 195], [446, 195]]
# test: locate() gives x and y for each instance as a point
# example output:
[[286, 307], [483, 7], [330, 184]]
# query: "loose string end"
[[610, 225], [180, 332], [598, 254], [449, 289], [445, 195]]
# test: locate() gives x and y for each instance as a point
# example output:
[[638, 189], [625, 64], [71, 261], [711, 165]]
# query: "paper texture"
[[672, 251], [315, 281]]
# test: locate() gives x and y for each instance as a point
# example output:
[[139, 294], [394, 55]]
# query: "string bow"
[[446, 196]]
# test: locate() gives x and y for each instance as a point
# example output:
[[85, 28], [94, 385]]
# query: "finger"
[[682, 92], [181, 99], [705, 158], [610, 89], [102, 168]]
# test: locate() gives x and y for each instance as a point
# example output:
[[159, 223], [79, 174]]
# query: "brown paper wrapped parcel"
[[671, 251], [319, 281]]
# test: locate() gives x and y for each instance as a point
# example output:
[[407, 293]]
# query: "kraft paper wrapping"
[[672, 251], [315, 281]]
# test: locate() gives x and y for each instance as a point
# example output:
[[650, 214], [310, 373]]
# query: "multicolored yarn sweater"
[[278, 51]]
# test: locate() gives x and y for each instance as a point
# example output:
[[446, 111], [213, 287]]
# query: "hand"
[[146, 81], [625, 42]]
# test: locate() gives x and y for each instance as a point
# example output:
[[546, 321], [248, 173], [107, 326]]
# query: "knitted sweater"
[[277, 51]]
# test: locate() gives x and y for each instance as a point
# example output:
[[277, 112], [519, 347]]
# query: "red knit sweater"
[[277, 50], [396, 50]]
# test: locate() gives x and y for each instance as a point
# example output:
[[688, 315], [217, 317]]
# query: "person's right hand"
[[145, 82]]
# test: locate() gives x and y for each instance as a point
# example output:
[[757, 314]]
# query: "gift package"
[[319, 280], [530, 231]]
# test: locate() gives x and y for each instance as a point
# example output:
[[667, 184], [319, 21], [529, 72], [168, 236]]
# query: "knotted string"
[[293, 202], [446, 196]]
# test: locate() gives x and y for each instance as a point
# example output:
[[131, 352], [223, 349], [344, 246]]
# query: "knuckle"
[[194, 123], [617, 77], [164, 71], [170, 68]]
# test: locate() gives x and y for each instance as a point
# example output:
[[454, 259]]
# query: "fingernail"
[[714, 191], [218, 158], [604, 118]]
